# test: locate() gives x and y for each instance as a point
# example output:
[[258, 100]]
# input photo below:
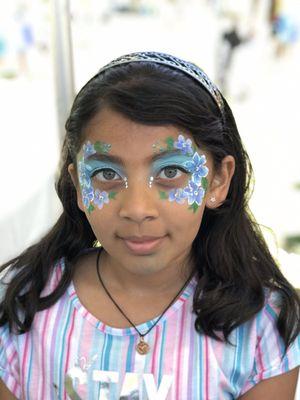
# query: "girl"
[[182, 299]]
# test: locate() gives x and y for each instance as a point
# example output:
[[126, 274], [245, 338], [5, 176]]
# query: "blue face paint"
[[189, 184], [192, 163], [169, 170], [171, 159], [94, 166], [88, 166]]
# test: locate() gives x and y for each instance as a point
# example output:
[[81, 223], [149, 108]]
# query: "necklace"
[[142, 347]]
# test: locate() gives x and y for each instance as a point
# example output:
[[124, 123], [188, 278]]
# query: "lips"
[[142, 245]]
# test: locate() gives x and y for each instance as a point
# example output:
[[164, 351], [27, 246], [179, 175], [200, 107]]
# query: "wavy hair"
[[231, 259]]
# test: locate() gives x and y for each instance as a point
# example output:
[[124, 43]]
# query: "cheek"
[[182, 220], [100, 219]]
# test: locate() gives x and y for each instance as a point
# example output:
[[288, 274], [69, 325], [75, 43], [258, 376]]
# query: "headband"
[[174, 62]]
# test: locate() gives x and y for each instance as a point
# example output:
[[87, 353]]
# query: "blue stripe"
[[103, 352], [107, 352], [129, 354], [29, 369], [238, 357], [162, 350], [273, 314], [62, 347]]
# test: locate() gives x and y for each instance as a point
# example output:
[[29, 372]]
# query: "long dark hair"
[[232, 261]]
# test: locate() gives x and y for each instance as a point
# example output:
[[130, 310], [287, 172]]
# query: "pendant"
[[142, 347]]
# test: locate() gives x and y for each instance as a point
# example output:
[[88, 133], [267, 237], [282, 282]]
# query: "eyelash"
[[173, 167], [101, 171]]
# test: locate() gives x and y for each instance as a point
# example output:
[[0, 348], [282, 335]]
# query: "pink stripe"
[[277, 336], [43, 350], [260, 359], [206, 368], [12, 356], [191, 355], [56, 316], [180, 354], [15, 387], [155, 350], [24, 360], [69, 344]]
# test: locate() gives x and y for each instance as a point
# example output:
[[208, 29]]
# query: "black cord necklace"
[[142, 347]]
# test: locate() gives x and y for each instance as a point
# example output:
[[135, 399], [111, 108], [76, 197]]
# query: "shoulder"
[[10, 273], [270, 357]]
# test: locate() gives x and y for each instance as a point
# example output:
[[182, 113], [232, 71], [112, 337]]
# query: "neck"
[[165, 280]]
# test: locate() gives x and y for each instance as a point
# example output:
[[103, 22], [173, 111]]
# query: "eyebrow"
[[119, 160]]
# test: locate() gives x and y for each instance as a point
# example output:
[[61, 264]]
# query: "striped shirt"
[[69, 354]]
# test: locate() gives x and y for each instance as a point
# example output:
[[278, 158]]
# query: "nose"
[[138, 202]]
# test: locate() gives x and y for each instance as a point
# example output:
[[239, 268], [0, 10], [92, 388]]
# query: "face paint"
[[151, 179], [91, 169], [192, 189], [169, 170]]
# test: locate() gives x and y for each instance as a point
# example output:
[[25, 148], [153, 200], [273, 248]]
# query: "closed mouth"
[[143, 245]]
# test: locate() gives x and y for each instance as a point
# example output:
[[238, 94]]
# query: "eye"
[[171, 172], [106, 174]]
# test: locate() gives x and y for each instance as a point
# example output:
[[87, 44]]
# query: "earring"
[[126, 183], [212, 199]]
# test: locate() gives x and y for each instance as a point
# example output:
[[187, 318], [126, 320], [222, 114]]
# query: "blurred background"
[[49, 49]]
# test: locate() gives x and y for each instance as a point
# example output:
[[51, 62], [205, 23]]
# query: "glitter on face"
[[92, 197], [194, 191], [177, 156]]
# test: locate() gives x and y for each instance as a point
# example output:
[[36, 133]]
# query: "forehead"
[[127, 137]]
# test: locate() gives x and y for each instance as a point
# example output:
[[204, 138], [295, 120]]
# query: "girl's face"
[[143, 190]]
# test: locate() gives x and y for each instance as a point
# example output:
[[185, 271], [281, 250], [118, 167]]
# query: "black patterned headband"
[[176, 63]]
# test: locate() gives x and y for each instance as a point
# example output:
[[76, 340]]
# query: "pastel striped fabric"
[[69, 354]]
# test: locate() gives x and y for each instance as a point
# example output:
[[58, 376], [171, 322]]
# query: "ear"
[[74, 177], [220, 183]]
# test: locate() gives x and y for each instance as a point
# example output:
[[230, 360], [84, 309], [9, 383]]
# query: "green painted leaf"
[[91, 208], [170, 143], [102, 147], [163, 195], [204, 183], [194, 207], [98, 147], [112, 195]]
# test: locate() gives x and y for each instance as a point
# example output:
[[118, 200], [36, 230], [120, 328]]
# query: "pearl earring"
[[212, 199], [126, 183]]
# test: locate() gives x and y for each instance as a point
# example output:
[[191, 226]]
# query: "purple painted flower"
[[185, 145], [197, 168], [88, 149], [87, 195], [177, 195], [194, 193], [101, 198]]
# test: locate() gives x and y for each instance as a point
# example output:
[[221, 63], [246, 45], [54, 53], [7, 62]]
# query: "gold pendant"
[[142, 347]]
